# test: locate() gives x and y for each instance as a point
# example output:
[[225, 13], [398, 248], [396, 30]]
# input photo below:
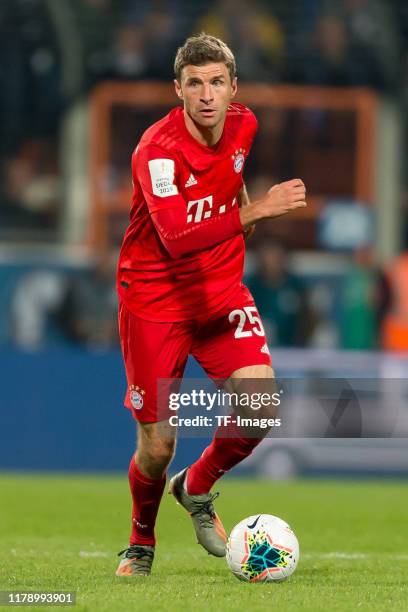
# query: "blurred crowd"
[[54, 52], [364, 308]]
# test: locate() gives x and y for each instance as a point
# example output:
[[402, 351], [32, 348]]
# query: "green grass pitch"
[[63, 533]]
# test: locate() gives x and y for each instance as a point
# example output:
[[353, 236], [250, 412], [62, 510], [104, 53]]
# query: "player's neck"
[[205, 136]]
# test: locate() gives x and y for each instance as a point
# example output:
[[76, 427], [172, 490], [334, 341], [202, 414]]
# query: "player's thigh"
[[232, 348], [233, 341], [151, 352]]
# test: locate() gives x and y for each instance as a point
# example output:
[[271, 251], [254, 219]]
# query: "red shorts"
[[222, 342]]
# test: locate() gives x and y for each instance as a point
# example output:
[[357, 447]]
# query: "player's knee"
[[164, 451], [256, 398], [154, 458], [270, 411]]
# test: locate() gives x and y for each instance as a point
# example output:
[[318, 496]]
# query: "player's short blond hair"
[[202, 49]]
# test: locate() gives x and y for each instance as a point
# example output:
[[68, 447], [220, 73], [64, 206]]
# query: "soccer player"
[[180, 285]]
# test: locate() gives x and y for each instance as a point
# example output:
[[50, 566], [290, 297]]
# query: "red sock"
[[146, 495], [218, 458]]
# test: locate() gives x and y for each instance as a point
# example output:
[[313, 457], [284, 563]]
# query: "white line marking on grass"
[[70, 553], [27, 551], [344, 555], [354, 556]]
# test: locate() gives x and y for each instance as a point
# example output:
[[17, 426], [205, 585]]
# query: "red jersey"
[[183, 253]]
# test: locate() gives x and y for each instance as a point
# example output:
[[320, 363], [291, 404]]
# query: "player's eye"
[[218, 82]]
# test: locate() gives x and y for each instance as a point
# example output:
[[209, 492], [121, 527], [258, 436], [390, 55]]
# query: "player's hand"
[[283, 198]]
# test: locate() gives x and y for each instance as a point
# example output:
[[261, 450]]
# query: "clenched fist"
[[283, 198], [279, 200]]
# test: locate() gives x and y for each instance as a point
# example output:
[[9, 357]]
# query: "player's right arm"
[[155, 169], [279, 200]]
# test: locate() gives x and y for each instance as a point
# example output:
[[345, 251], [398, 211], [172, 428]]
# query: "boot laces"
[[205, 511], [137, 552]]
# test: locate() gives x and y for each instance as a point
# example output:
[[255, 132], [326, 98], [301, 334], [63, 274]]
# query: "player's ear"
[[177, 87], [234, 87]]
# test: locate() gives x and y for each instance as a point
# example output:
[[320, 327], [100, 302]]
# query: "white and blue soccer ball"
[[262, 548]]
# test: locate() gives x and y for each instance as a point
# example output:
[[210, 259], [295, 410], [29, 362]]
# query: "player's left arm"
[[243, 200]]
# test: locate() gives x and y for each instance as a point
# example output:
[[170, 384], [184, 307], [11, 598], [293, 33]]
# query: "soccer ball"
[[262, 548]]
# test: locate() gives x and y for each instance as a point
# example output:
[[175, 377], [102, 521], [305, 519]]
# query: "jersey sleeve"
[[252, 126], [156, 171], [157, 177], [181, 238]]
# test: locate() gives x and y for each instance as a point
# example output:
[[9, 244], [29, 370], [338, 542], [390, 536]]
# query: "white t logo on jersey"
[[202, 209]]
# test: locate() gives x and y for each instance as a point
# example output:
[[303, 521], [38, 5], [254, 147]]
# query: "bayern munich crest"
[[136, 397], [239, 160]]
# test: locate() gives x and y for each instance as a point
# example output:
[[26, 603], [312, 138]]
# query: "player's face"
[[206, 92]]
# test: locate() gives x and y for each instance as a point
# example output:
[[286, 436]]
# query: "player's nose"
[[206, 93]]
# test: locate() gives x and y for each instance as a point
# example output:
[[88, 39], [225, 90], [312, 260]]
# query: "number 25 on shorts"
[[247, 314]]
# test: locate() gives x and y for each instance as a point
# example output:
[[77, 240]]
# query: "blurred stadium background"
[[80, 81]]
